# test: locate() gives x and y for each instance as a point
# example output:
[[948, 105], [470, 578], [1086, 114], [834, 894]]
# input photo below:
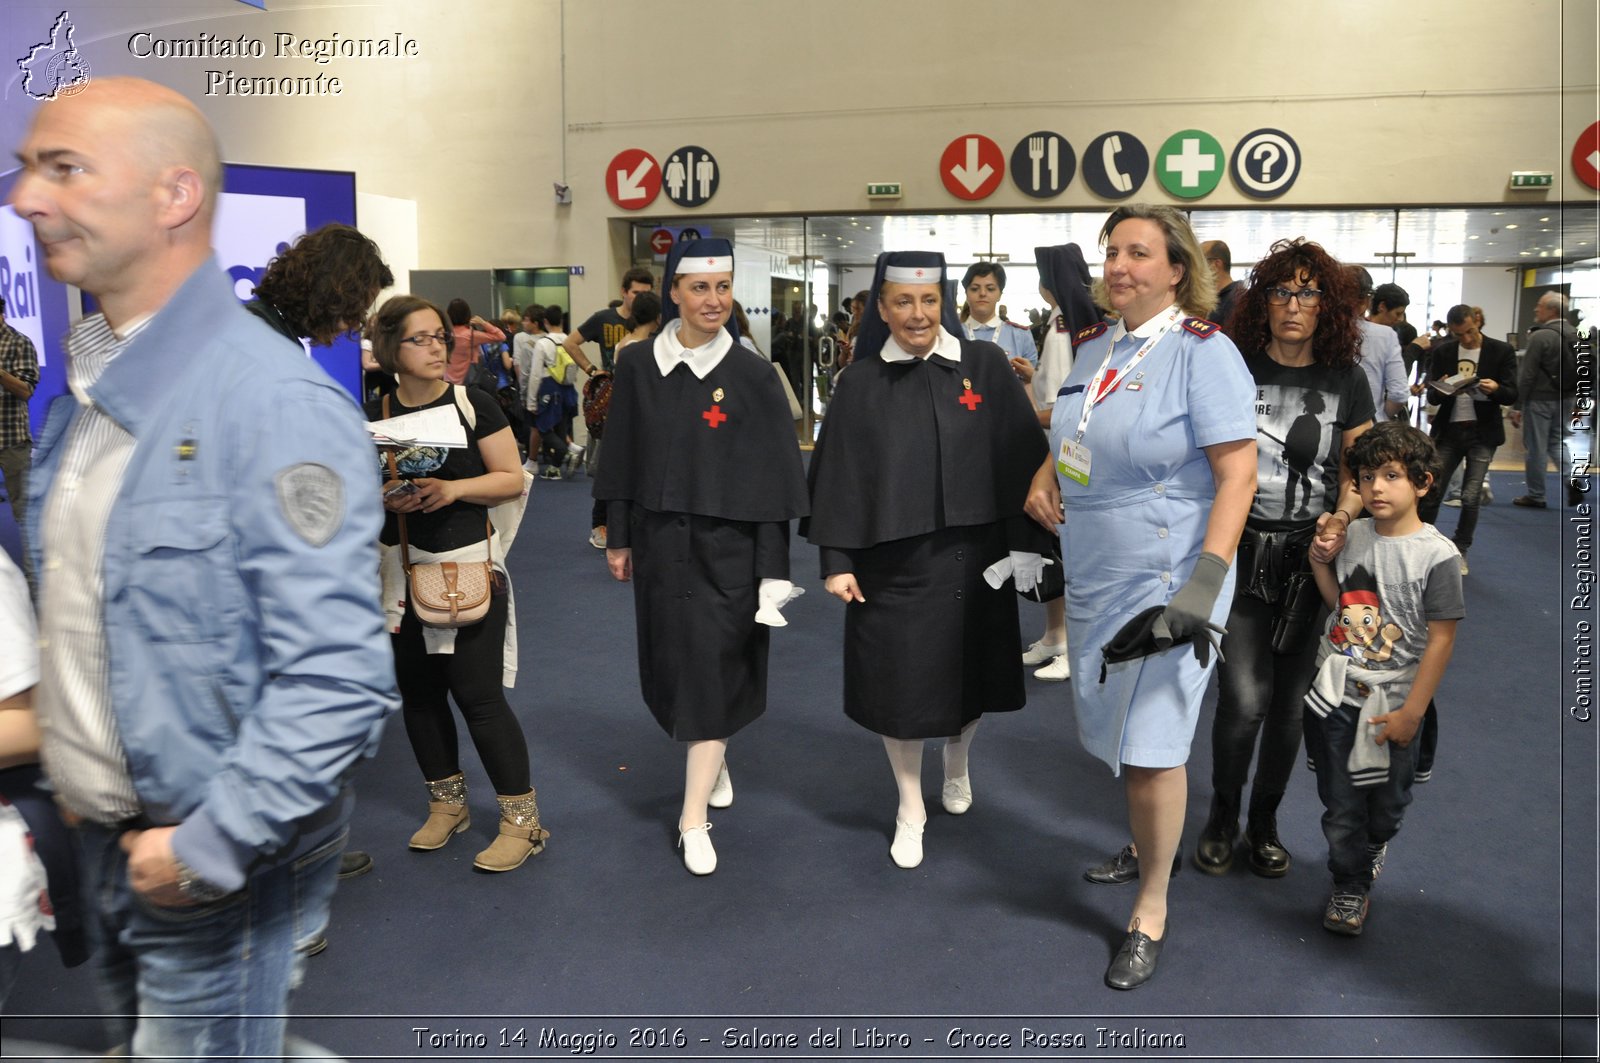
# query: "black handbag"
[[1275, 567]]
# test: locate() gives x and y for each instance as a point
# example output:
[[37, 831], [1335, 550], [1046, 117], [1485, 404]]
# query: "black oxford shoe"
[[1124, 867], [1135, 962]]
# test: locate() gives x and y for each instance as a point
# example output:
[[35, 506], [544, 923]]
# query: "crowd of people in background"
[[1192, 473]]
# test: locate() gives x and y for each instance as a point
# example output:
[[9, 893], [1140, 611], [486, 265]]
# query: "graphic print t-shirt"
[[1301, 415], [1389, 588], [607, 328], [1461, 408]]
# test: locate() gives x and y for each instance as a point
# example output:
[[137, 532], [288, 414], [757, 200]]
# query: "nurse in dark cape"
[[701, 476], [917, 486]]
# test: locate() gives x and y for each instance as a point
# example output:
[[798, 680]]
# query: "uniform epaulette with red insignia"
[[1024, 328], [1200, 327], [1083, 335]]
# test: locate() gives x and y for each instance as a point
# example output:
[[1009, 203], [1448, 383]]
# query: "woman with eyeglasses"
[[1297, 324], [1152, 468], [445, 495]]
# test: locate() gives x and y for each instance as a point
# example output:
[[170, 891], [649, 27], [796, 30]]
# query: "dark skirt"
[[702, 656], [933, 647]]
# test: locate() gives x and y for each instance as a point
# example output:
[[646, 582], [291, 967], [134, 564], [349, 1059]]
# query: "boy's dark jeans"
[[1354, 817]]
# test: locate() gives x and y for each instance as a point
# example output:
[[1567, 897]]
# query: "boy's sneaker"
[[1346, 914], [1375, 855], [550, 473], [597, 538], [573, 461]]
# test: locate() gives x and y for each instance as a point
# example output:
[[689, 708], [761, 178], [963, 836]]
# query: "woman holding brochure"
[[439, 499]]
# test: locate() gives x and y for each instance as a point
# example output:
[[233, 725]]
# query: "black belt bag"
[[1275, 567]]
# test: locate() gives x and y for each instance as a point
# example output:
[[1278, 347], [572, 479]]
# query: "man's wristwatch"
[[197, 889]]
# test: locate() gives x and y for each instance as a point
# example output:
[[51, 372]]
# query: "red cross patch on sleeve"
[[1200, 327]]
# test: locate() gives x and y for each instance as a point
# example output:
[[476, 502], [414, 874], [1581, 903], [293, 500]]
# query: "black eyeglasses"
[[423, 339], [1306, 296]]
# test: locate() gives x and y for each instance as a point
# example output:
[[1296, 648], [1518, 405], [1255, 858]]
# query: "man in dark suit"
[[1467, 426]]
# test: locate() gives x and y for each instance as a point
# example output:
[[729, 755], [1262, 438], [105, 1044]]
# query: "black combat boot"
[[1214, 854], [1268, 857]]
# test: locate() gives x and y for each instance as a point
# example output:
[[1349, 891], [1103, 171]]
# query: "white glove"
[[773, 595], [1022, 568], [1027, 570]]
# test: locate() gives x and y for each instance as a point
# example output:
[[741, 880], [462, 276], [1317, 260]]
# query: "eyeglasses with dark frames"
[[1305, 296]]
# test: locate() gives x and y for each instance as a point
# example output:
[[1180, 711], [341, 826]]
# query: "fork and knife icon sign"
[[1046, 149]]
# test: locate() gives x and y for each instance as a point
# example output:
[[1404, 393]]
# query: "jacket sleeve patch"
[[311, 499]]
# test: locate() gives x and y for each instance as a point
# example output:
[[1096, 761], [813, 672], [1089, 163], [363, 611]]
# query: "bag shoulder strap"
[[464, 404], [394, 473]]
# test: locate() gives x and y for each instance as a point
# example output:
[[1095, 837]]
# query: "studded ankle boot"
[[520, 835], [1268, 857], [447, 813], [1214, 854]]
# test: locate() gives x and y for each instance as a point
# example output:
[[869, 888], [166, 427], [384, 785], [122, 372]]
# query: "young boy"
[[1395, 593]]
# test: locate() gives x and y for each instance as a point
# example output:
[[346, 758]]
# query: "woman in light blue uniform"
[[1153, 468]]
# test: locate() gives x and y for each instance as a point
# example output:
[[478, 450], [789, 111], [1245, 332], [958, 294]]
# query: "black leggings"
[[472, 676]]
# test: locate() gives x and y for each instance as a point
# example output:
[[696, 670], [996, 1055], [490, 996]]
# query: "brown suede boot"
[[447, 813], [520, 835]]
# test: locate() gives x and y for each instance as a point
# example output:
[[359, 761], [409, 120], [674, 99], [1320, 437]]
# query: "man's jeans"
[[1356, 819], [1458, 443], [1544, 428], [209, 980]]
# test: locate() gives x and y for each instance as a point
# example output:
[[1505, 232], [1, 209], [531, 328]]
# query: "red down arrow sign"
[[972, 166]]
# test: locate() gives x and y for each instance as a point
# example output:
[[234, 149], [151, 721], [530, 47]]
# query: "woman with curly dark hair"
[[1296, 325], [322, 286]]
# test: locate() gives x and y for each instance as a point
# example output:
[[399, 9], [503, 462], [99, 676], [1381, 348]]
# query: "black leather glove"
[[1188, 615]]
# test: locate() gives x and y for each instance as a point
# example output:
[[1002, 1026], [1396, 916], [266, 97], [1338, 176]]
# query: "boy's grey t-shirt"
[[1389, 588]]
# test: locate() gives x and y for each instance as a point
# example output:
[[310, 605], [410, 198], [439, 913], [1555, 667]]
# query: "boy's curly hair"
[[1389, 441]]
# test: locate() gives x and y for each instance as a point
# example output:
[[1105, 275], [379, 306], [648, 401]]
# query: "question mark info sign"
[[1265, 164]]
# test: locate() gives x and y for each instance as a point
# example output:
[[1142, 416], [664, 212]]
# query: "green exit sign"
[[1531, 179], [884, 190]]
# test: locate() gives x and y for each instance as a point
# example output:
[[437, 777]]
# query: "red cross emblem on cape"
[[969, 398], [714, 416]]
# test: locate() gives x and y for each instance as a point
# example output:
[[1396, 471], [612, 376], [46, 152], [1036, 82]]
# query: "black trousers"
[[472, 676], [1258, 693]]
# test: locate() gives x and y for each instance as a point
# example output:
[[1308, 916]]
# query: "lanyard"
[[1093, 397]]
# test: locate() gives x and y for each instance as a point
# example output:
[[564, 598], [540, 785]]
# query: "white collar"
[[1146, 330], [993, 322], [670, 352], [946, 348]]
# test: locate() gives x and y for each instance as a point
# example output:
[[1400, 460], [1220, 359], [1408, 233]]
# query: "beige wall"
[[803, 102]]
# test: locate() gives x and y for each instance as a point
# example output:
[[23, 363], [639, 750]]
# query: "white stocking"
[[703, 762], [905, 760], [956, 750]]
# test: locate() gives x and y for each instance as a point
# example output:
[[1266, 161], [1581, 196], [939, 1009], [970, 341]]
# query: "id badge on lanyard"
[[1074, 460]]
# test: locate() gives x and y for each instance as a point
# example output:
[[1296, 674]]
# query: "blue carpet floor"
[[1482, 936]]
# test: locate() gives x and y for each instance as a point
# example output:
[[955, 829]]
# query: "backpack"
[[1577, 360], [596, 401]]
